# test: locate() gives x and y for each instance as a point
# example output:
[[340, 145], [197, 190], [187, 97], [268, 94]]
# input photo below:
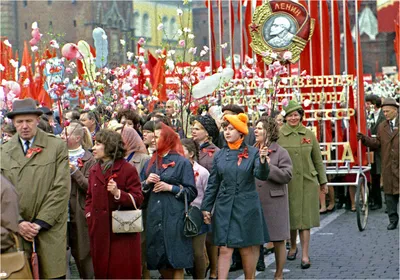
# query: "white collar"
[[30, 140]]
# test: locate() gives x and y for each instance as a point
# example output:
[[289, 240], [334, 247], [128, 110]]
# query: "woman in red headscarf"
[[166, 178]]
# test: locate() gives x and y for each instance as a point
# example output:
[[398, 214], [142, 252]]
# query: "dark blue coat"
[[167, 247], [238, 219]]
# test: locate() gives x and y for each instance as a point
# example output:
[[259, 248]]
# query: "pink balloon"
[[70, 51], [33, 42], [36, 34]]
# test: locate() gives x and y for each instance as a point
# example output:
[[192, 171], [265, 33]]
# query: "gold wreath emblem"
[[264, 17]]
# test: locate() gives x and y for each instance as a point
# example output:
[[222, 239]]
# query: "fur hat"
[[291, 107], [24, 107], [239, 122], [209, 125]]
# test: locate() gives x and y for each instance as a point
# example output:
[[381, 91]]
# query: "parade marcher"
[[238, 220], [91, 120], [204, 133], [148, 137], [171, 109], [112, 182], [56, 127], [277, 115], [166, 178], [136, 153], [36, 163], [72, 115], [273, 193], [129, 118], [80, 163], [201, 176], [8, 132], [9, 214], [374, 102], [232, 109], [308, 178], [387, 140]]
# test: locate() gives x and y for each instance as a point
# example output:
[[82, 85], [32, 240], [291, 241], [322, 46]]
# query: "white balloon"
[[206, 86], [227, 74]]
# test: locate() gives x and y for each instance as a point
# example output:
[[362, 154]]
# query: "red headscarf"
[[169, 142]]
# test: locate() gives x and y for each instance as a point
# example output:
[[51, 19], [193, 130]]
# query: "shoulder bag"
[[193, 220], [15, 265], [128, 221]]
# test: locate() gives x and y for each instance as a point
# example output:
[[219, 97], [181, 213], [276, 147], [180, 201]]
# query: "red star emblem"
[[254, 27]]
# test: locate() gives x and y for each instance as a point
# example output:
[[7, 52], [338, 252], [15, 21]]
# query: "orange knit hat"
[[239, 122]]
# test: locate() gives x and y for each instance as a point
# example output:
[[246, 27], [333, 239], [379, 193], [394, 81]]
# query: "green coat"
[[43, 186], [308, 174]]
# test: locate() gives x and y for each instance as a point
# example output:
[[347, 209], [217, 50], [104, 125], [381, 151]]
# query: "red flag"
[[212, 43], [232, 32], [152, 62], [396, 42], [25, 78], [247, 22], [352, 138], [336, 55], [305, 63], [387, 10], [159, 79]]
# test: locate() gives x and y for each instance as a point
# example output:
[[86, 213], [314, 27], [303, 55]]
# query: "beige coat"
[[43, 186], [388, 143], [138, 160]]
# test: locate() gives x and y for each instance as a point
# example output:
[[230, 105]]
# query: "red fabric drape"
[[232, 31], [213, 44]]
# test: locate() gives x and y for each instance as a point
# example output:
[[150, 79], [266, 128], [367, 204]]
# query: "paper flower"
[[191, 36], [203, 53], [307, 102], [54, 44], [34, 48], [22, 69], [7, 43], [160, 27], [186, 30], [122, 42], [223, 46], [2, 67], [14, 63], [192, 51], [141, 41], [181, 43], [179, 12]]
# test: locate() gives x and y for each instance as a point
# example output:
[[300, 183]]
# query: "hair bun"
[[243, 117]]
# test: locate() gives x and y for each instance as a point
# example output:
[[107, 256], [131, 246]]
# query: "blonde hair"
[[82, 131]]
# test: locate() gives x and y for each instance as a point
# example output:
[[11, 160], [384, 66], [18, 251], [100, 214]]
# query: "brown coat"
[[273, 193], [388, 142], [79, 235], [9, 214], [206, 156]]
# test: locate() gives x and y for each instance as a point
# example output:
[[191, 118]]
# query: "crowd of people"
[[256, 184]]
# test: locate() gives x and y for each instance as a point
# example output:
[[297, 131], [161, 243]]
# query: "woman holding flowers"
[[308, 179], [238, 220], [166, 178], [274, 192], [113, 183]]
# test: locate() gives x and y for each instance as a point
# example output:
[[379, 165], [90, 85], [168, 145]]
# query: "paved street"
[[339, 250]]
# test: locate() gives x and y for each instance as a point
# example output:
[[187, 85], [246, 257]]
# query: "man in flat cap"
[[36, 163], [387, 139]]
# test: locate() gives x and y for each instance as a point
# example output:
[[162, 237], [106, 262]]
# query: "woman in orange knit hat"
[[238, 220]]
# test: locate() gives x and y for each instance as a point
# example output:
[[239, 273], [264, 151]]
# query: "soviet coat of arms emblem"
[[280, 26]]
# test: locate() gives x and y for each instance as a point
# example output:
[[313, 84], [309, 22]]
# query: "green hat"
[[291, 107]]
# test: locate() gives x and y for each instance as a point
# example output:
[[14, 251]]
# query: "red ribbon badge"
[[306, 141], [30, 152], [210, 152], [245, 154], [196, 175], [80, 163], [166, 165]]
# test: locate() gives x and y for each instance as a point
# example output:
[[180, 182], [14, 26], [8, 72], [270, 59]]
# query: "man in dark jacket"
[[387, 140], [376, 117]]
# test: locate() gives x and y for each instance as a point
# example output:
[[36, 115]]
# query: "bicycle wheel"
[[362, 204]]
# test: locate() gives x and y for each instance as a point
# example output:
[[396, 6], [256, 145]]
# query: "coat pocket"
[[276, 192], [314, 173]]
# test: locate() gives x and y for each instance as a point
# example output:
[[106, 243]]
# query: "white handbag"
[[127, 221]]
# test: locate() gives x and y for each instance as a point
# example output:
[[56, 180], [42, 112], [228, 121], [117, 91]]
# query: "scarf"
[[75, 154], [236, 145]]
